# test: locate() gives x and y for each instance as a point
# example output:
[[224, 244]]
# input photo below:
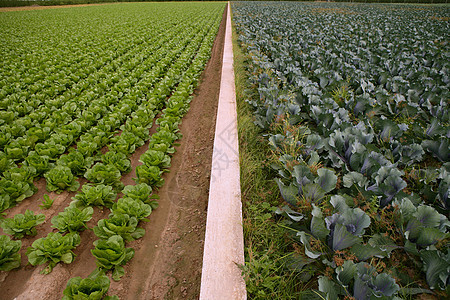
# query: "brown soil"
[[37, 7], [168, 259]]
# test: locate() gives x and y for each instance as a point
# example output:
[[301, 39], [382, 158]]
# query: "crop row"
[[100, 119], [120, 102], [108, 85], [355, 103]]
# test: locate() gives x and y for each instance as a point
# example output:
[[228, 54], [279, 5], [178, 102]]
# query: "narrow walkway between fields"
[[224, 241]]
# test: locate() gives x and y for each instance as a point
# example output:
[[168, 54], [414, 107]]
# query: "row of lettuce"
[[354, 103], [115, 105]]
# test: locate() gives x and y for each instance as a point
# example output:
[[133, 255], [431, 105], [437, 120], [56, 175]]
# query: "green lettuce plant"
[[22, 224], [141, 192], [72, 219], [105, 174], [150, 175], [15, 151], [49, 148], [138, 130], [126, 143], [22, 174], [111, 254], [91, 288], [53, 248], [41, 163], [9, 253], [95, 195], [168, 122], [162, 146], [155, 158], [5, 202], [132, 207], [16, 190], [5, 162], [87, 148], [143, 116], [61, 178], [117, 159], [5, 138], [163, 137], [77, 163], [62, 139], [41, 133], [119, 224]]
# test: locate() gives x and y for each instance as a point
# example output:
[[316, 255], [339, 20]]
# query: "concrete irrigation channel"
[[224, 241]]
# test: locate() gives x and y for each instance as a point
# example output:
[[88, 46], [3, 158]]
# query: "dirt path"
[[168, 259]]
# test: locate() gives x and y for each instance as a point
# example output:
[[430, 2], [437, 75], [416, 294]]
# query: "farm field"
[[91, 105], [353, 102]]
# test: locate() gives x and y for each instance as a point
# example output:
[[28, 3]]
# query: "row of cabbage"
[[354, 99], [113, 104]]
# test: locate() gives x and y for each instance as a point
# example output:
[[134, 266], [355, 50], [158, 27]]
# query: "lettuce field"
[[80, 90], [354, 102]]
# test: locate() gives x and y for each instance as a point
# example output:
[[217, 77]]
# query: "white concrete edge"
[[224, 239]]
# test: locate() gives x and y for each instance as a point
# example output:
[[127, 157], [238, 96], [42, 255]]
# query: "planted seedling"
[[47, 202]]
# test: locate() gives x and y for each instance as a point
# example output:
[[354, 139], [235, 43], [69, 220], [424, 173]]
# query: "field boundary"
[[224, 241], [37, 7]]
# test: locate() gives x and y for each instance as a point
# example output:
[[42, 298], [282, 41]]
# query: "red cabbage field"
[[353, 101]]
